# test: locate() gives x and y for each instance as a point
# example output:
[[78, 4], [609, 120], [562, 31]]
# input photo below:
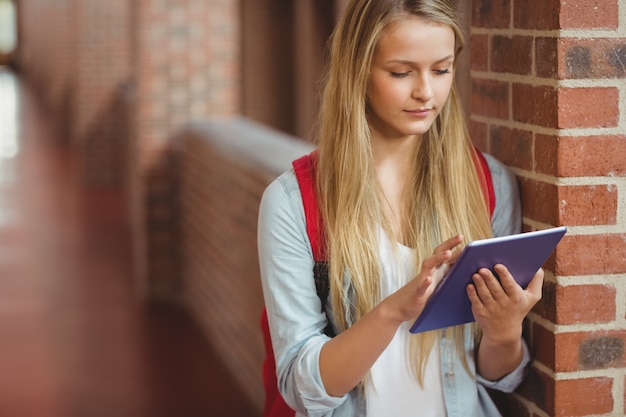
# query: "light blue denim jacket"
[[297, 322]]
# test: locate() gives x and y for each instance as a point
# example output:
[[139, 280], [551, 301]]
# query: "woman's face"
[[410, 78]]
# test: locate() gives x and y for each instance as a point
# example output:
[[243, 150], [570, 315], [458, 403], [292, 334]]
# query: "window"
[[7, 27]]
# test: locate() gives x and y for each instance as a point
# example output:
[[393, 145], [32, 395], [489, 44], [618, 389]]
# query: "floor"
[[74, 339]]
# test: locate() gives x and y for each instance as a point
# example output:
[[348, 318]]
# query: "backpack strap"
[[486, 180], [304, 168]]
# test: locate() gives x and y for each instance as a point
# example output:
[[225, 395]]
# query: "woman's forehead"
[[416, 39]]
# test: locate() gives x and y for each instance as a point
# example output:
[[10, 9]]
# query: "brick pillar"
[[76, 54], [313, 24], [267, 29], [46, 53], [186, 69], [547, 94], [99, 81]]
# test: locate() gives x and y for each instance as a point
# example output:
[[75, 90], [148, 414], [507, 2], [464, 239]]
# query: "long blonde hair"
[[444, 191]]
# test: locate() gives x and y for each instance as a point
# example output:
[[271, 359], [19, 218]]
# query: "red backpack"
[[275, 405]]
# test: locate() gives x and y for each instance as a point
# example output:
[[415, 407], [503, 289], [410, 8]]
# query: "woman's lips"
[[418, 112]]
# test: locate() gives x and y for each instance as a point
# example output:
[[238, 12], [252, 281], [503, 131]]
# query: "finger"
[[480, 289], [507, 281], [437, 259], [472, 294], [423, 285], [487, 286], [455, 256], [449, 244], [535, 286]]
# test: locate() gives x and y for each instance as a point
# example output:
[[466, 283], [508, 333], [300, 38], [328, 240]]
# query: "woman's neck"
[[392, 162]]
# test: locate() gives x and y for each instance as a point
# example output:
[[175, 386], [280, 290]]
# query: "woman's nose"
[[422, 88]]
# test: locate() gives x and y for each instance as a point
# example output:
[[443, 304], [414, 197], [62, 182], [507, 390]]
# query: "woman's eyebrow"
[[409, 62]]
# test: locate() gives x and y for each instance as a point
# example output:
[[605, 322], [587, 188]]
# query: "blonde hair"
[[444, 183]]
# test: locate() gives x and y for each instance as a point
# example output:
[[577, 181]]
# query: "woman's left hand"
[[500, 306]]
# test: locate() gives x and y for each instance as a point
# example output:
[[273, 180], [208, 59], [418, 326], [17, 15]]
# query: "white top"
[[394, 391]]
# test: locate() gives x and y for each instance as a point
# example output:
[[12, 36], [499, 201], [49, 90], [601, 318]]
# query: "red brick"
[[591, 156], [536, 14], [577, 351], [582, 397], [539, 389], [546, 307], [585, 304], [591, 58], [479, 60], [479, 135], [491, 14], [591, 254], [589, 205], [588, 107], [546, 57], [589, 14], [535, 105], [512, 146], [546, 154], [539, 201], [490, 98], [566, 351], [511, 54], [543, 346]]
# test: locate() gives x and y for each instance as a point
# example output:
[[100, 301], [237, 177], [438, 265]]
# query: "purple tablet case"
[[523, 254]]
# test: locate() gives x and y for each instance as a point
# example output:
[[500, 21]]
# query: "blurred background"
[[136, 138]]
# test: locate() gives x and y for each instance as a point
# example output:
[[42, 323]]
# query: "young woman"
[[399, 194]]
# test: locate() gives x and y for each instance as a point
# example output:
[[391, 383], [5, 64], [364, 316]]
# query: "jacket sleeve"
[[509, 382], [294, 311]]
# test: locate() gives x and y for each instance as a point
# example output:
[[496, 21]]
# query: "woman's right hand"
[[346, 358], [408, 302]]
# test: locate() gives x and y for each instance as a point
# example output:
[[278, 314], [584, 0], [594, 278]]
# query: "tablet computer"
[[523, 254]]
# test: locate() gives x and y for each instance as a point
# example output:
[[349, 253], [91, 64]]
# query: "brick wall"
[[101, 88], [313, 24], [46, 53], [547, 94], [122, 76], [282, 58], [186, 66], [267, 62], [76, 54], [221, 186]]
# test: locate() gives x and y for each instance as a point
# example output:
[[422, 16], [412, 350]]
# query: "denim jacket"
[[297, 321]]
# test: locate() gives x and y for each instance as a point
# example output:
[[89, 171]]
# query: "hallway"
[[74, 340]]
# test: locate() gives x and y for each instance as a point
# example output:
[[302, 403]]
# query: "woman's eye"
[[399, 74], [442, 71]]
